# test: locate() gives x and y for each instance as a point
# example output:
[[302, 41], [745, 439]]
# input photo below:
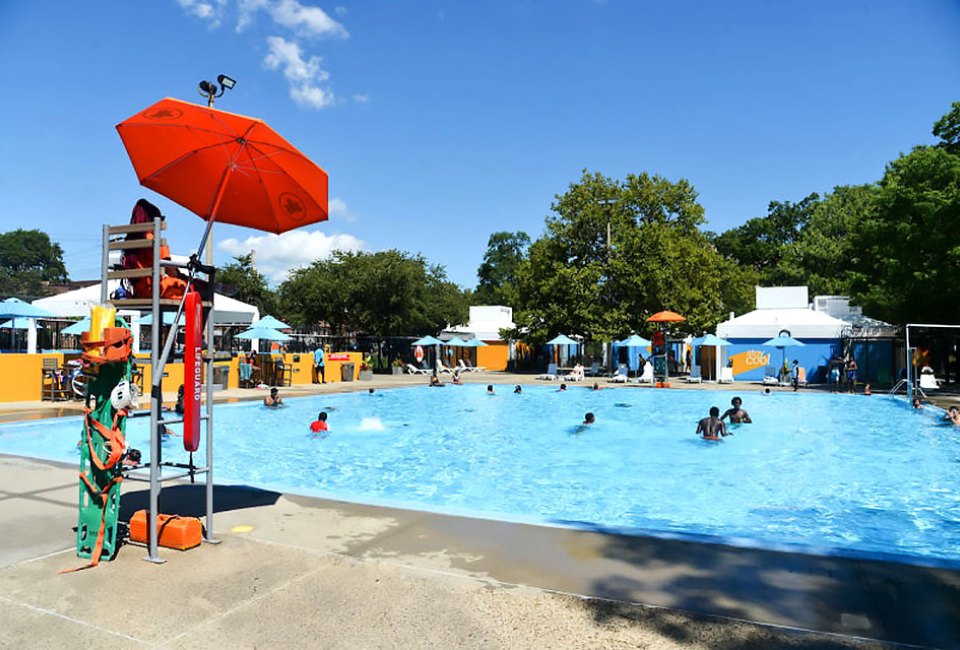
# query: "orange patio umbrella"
[[666, 317], [224, 167]]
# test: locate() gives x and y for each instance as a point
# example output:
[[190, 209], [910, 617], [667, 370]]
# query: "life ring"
[[192, 371], [418, 353]]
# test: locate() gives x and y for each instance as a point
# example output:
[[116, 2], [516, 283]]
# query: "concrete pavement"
[[300, 572]]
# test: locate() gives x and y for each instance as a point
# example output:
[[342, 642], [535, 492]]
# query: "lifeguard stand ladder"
[[157, 307]]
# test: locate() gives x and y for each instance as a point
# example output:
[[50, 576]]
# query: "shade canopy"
[[270, 321], [716, 341], [474, 343], [18, 324], [783, 342], [562, 340], [635, 341], [265, 333], [77, 328], [224, 167], [666, 317], [168, 317], [16, 308], [427, 340], [456, 342]]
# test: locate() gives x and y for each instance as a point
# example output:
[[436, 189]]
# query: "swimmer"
[[953, 415], [562, 388], [490, 390], [132, 458], [866, 390], [766, 391], [917, 404], [589, 418], [370, 392], [736, 413], [320, 424], [435, 381], [596, 386], [273, 400], [518, 390], [712, 426]]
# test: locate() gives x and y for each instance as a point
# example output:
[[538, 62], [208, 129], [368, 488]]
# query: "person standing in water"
[[712, 427], [736, 412]]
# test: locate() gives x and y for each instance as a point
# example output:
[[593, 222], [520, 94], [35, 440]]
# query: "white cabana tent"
[[77, 303], [767, 323]]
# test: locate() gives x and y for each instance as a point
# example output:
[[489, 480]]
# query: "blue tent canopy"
[[270, 321], [562, 340], [427, 340]]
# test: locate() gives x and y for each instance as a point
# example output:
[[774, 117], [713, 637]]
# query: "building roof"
[[767, 323]]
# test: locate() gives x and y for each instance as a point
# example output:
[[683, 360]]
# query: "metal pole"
[[208, 536], [909, 369], [156, 400], [104, 264]]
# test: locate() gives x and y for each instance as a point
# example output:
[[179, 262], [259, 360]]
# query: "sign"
[[339, 356]]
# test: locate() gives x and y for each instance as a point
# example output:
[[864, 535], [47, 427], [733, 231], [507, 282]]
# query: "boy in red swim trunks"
[[320, 424], [712, 427]]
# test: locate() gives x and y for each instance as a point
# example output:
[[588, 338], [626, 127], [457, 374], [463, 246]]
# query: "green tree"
[[29, 262], [249, 283], [384, 293], [497, 274], [823, 254], [579, 280], [907, 265], [763, 242], [947, 128]]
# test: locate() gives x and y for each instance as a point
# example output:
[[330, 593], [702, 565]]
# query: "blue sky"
[[440, 122]]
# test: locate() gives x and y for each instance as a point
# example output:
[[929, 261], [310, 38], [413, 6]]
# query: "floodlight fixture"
[[211, 91]]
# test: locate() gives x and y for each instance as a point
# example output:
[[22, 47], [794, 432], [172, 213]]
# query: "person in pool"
[[435, 381], [712, 427], [320, 424], [563, 387], [490, 390], [736, 412], [953, 415], [917, 404], [518, 390], [589, 418], [273, 400], [596, 386]]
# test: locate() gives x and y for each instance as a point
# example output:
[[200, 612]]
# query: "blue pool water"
[[829, 473]]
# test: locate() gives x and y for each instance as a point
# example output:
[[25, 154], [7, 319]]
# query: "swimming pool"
[[828, 473]]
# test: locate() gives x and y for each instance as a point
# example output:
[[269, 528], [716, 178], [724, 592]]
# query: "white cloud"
[[277, 255], [303, 75], [210, 11], [362, 98], [340, 10], [302, 20], [338, 208]]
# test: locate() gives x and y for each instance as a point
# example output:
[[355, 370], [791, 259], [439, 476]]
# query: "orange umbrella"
[[224, 167], [666, 317]]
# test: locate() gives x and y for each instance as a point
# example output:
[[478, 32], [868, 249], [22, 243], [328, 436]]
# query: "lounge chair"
[[694, 377], [576, 374], [442, 368], [594, 370], [726, 375], [246, 375], [466, 367], [413, 370], [551, 373], [53, 383], [929, 381], [646, 377], [620, 376]]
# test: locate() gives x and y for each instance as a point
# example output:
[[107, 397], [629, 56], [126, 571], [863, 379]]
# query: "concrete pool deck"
[[301, 572]]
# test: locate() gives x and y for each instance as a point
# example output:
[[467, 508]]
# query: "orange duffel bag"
[[173, 531]]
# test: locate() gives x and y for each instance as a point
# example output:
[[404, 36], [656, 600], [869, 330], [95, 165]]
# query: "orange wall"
[[494, 355], [21, 376]]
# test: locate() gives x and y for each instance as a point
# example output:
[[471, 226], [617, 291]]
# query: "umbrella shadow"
[[190, 500]]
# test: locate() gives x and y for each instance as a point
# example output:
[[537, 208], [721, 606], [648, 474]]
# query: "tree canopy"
[[578, 281], [250, 285], [497, 275], [29, 262], [383, 293]]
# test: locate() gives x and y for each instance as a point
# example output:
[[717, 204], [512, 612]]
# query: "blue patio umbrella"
[[635, 341], [270, 321], [456, 341], [18, 324], [783, 342], [426, 340], [562, 339], [77, 328], [168, 317], [474, 343], [711, 339], [14, 308], [264, 333]]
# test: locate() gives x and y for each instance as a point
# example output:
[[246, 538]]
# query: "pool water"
[[838, 473]]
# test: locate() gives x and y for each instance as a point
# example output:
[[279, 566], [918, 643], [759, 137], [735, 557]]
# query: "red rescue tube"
[[192, 370]]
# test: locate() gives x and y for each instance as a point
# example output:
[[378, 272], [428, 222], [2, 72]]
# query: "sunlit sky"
[[440, 122]]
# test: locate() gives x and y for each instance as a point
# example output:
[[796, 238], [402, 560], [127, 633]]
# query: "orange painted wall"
[[494, 355], [21, 376]]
